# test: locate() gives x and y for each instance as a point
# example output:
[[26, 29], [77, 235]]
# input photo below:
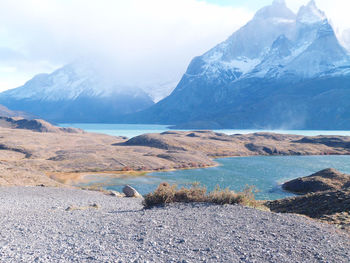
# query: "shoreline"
[[74, 179], [33, 158], [80, 177]]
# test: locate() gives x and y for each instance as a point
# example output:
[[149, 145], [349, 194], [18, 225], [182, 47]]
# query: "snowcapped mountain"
[[244, 50], [276, 38], [280, 70], [77, 92], [71, 82]]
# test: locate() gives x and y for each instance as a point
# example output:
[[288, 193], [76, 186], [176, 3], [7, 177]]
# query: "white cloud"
[[139, 41], [142, 41]]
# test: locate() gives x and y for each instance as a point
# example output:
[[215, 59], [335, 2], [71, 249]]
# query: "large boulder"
[[325, 180], [130, 192]]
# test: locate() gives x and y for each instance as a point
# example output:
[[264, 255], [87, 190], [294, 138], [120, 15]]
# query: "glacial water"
[[266, 173], [132, 130]]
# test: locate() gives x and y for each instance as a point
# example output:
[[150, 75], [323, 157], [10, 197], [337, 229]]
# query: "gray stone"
[[130, 192]]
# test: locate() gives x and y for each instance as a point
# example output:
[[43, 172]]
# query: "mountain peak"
[[278, 9], [310, 14]]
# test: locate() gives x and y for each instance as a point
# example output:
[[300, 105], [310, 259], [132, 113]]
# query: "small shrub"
[[248, 195], [226, 196], [193, 194], [221, 197], [166, 193]]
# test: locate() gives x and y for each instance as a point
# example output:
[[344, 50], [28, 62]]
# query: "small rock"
[[116, 194], [94, 205], [70, 208], [181, 241], [130, 192]]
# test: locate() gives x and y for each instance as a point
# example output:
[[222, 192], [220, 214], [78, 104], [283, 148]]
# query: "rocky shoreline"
[[328, 206], [325, 196]]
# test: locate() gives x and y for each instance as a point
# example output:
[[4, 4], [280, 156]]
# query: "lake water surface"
[[265, 173], [132, 130]]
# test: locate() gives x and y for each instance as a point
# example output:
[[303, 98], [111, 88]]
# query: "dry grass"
[[166, 193], [226, 196], [73, 208]]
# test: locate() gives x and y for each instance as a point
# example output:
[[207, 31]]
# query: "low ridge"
[[36, 125], [327, 179]]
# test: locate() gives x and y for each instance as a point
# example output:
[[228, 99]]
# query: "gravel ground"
[[35, 227]]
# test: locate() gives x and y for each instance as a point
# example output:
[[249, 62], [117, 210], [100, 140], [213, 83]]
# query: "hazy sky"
[[140, 41]]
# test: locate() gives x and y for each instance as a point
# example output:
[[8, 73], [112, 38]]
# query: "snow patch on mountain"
[[310, 14], [274, 44], [245, 49], [159, 90], [83, 79], [345, 39], [215, 65]]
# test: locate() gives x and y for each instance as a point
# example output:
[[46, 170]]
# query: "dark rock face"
[[328, 179], [86, 109], [320, 104]]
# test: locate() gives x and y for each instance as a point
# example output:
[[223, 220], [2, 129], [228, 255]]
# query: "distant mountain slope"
[[5, 112], [75, 93], [281, 70]]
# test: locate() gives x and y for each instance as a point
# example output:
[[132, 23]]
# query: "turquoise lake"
[[266, 173], [132, 130]]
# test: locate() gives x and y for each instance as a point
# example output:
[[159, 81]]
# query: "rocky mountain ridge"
[[280, 70], [77, 92]]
